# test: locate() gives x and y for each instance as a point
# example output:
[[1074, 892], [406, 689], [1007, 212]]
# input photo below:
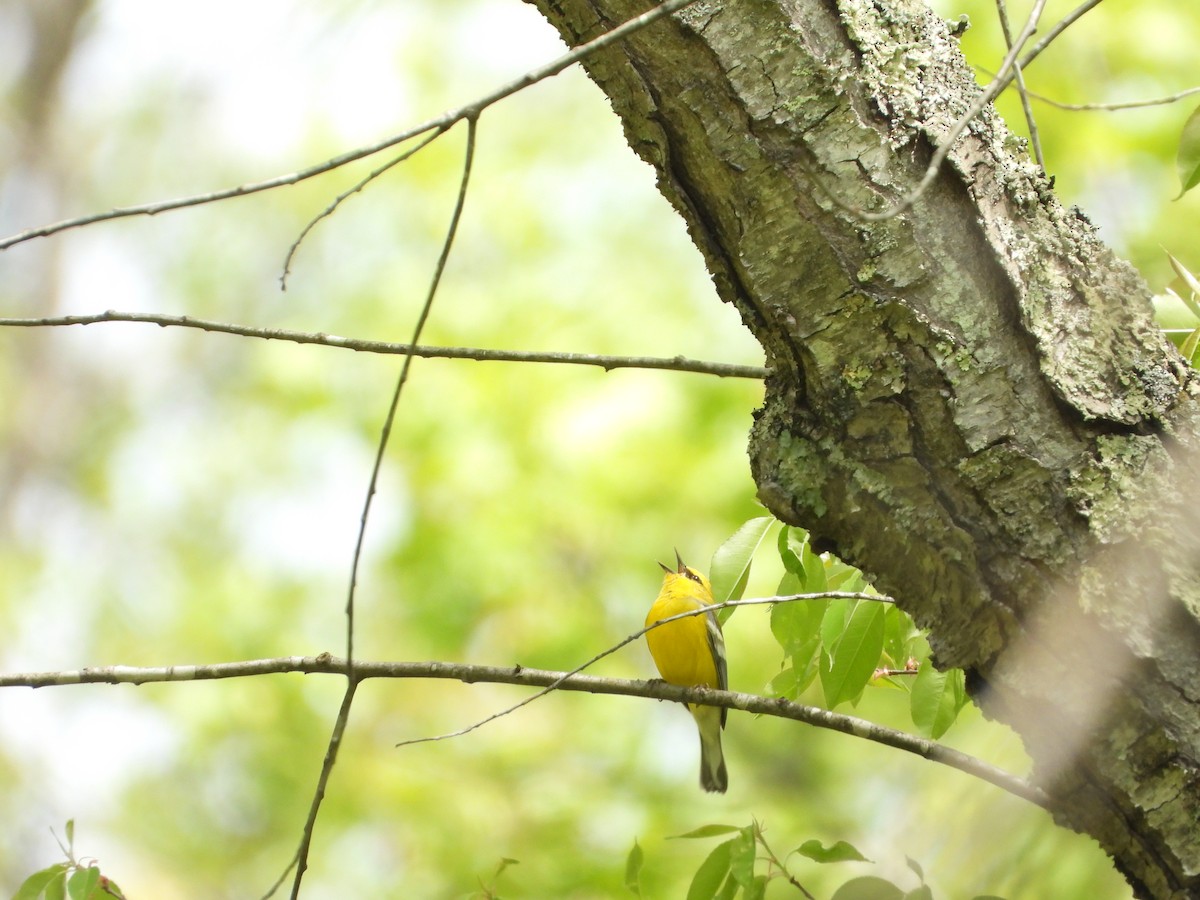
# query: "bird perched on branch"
[[690, 651]]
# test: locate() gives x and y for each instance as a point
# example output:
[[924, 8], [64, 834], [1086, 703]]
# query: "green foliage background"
[[170, 496]]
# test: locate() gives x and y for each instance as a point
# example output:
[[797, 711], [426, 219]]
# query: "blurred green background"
[[171, 496]]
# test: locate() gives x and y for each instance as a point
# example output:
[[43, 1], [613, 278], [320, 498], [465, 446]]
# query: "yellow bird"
[[691, 651]]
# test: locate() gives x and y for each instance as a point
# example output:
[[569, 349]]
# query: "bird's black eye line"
[[692, 574]]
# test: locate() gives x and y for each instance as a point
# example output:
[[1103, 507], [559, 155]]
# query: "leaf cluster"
[[1186, 312], [843, 645], [745, 863], [74, 878]]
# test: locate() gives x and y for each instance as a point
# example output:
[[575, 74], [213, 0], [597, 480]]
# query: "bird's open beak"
[[678, 563]]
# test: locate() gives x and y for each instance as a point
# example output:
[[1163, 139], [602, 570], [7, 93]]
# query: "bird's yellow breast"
[[681, 649]]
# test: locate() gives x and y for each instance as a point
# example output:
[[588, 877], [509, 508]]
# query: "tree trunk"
[[969, 401]]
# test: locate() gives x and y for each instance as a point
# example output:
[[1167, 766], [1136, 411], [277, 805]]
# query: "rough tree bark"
[[969, 401]]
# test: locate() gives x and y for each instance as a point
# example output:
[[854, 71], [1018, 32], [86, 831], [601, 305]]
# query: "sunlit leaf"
[[80, 886], [1190, 346], [789, 584], [56, 887], [741, 857], [936, 699], [915, 867], [633, 868], [806, 667], [784, 685], [729, 889], [841, 577], [814, 571], [796, 624], [834, 621], [868, 887], [901, 638], [730, 567], [1187, 160], [837, 852], [705, 831], [756, 889], [35, 885], [707, 880], [853, 660], [1190, 280], [108, 889], [505, 862], [791, 545]]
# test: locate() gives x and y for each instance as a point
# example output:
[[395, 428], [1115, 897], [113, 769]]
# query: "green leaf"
[[633, 868], [987, 897], [56, 887], [1187, 161], [785, 684], [1190, 281], [81, 885], [924, 892], [900, 637], [806, 669], [796, 625], [34, 886], [915, 867], [741, 857], [70, 830], [1190, 345], [791, 547], [854, 660], [936, 699], [814, 571], [868, 887], [757, 889], [841, 577], [728, 890], [731, 563], [705, 831], [797, 628], [839, 852], [711, 873], [505, 862], [834, 622], [789, 584]]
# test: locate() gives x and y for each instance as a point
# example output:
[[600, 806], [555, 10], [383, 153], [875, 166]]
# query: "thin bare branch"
[[344, 195], [441, 123], [274, 888], [1030, 121], [550, 688], [608, 363], [1111, 107], [955, 131], [343, 717], [1105, 107], [1052, 35], [519, 675], [1008, 72], [300, 860], [406, 366]]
